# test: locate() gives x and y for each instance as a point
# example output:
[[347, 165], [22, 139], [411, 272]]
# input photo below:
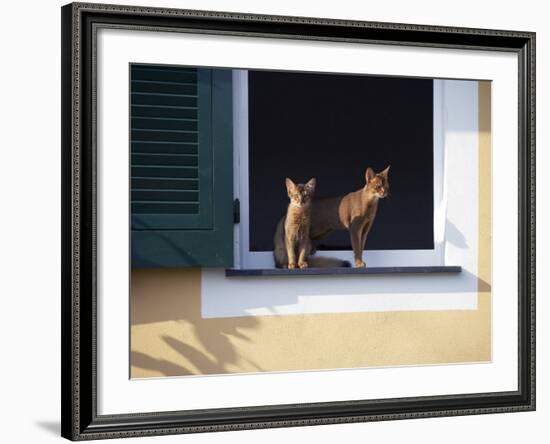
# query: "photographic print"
[[293, 221], [276, 221]]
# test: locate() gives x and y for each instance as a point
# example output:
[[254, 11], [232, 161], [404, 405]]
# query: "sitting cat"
[[292, 234], [354, 212]]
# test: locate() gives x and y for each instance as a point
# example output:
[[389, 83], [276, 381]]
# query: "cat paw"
[[303, 265], [291, 266], [360, 264]]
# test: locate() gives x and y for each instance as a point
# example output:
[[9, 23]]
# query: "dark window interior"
[[333, 127]]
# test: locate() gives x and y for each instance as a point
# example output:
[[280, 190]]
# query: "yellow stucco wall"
[[170, 338]]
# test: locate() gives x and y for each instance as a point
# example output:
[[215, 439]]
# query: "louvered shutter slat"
[[169, 107]]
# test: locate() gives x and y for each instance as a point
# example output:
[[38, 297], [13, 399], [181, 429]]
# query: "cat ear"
[[385, 172], [369, 175], [310, 185], [290, 186]]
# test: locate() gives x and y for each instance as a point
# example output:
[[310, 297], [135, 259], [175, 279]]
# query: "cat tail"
[[327, 262], [279, 248]]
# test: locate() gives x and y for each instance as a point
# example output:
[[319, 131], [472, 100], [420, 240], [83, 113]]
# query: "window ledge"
[[235, 272]]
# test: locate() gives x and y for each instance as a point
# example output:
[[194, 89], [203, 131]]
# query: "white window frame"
[[246, 259]]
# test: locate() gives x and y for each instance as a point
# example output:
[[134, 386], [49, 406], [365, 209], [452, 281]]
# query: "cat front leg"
[[356, 243], [290, 253], [364, 235], [305, 247]]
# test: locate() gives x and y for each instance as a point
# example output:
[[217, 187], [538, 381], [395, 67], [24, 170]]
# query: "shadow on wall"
[[163, 366], [454, 236], [171, 299]]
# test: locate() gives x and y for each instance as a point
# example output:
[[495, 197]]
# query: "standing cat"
[[292, 234], [354, 212]]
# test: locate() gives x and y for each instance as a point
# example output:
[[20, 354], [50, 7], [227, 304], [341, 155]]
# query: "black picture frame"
[[80, 419]]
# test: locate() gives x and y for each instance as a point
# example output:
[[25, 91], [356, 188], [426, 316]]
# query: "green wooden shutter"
[[181, 167]]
